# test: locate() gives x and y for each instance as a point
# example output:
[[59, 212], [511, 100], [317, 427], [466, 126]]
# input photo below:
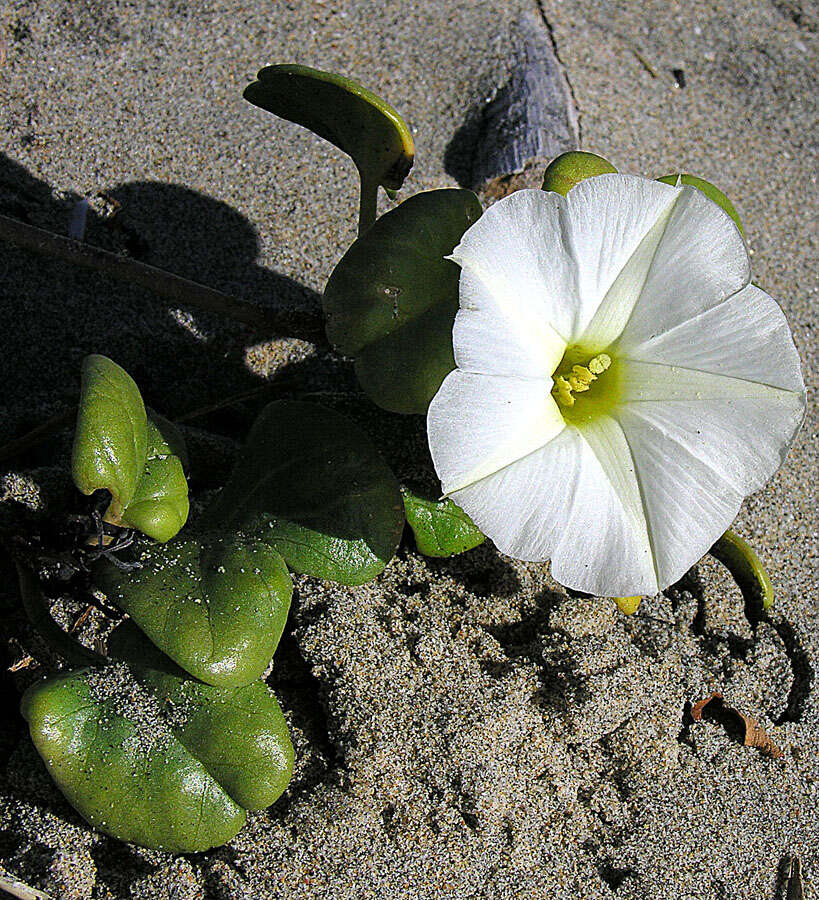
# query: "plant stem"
[[294, 323], [368, 203], [39, 614]]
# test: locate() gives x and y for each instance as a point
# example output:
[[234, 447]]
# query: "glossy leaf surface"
[[216, 607], [111, 436], [238, 733], [310, 483], [569, 169], [441, 528], [159, 507], [109, 749], [391, 300], [341, 111]]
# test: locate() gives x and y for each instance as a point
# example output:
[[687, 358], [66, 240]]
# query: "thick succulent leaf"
[[160, 506], [343, 112], [440, 527], [238, 733], [391, 300], [710, 191], [569, 169], [216, 606], [108, 747], [310, 483], [111, 436]]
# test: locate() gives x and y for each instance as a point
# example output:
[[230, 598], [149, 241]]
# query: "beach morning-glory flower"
[[620, 387]]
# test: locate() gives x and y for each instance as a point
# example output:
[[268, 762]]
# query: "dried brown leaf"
[[753, 734]]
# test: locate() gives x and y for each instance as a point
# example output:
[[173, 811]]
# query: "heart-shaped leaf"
[[391, 300], [136, 458], [111, 437], [310, 483], [711, 192], [239, 733], [216, 606], [441, 528], [110, 750], [348, 115]]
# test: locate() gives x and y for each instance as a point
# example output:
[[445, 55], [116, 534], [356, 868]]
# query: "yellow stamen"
[[578, 380]]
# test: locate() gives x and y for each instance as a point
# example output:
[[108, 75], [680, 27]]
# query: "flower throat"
[[584, 384]]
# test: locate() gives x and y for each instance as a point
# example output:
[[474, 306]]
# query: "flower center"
[[585, 385]]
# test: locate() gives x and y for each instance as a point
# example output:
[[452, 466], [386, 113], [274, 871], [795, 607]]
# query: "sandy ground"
[[462, 728]]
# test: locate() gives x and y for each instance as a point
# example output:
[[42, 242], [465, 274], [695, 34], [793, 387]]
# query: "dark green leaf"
[[391, 300], [217, 607], [441, 528], [348, 115], [311, 484], [109, 749], [112, 433], [238, 733]]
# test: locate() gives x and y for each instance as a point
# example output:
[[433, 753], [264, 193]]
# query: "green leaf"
[[441, 528], [391, 300], [710, 191], [311, 484], [160, 506], [112, 432], [348, 115], [109, 749], [239, 733], [569, 169], [216, 607]]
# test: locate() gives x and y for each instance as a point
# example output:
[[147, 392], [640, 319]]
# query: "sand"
[[463, 728]]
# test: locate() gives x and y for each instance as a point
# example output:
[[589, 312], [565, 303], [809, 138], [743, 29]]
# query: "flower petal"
[[520, 250], [606, 547], [479, 424], [687, 502], [701, 260], [608, 217], [575, 500], [497, 338], [745, 336]]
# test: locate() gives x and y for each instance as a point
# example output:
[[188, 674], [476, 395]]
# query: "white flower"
[[620, 385]]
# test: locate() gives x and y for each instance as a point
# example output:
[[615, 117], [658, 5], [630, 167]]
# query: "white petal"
[[607, 218], [478, 424], [519, 249], [605, 549], [640, 382], [566, 502], [701, 260], [523, 507], [745, 336], [688, 504], [494, 338], [743, 441]]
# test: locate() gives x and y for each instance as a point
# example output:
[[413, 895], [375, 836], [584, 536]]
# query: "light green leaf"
[[348, 115], [310, 483], [111, 752], [238, 733], [159, 507], [710, 191], [391, 300], [111, 437], [441, 528], [569, 169], [216, 606]]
